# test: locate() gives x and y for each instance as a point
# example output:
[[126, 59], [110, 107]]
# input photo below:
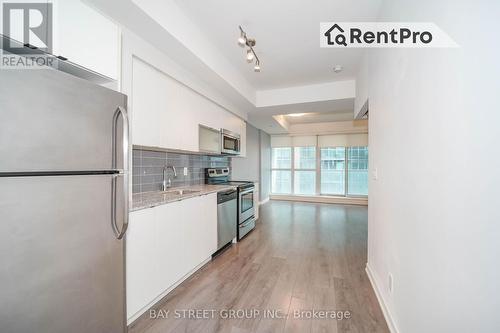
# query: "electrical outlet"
[[185, 171], [391, 283], [375, 173]]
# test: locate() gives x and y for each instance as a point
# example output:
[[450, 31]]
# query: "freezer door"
[[62, 266], [52, 121]]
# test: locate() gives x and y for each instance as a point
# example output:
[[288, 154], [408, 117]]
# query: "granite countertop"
[[153, 199]]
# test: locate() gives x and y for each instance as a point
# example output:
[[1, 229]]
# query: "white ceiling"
[[322, 111], [316, 117], [287, 34]]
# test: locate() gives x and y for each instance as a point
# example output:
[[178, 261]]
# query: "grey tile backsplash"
[[147, 168]]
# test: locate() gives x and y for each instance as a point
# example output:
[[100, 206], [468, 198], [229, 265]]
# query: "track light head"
[[256, 68], [250, 42], [250, 56], [242, 40]]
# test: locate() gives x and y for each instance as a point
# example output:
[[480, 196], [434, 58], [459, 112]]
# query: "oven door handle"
[[247, 191], [247, 222]]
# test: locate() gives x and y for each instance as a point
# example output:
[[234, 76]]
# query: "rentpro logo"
[[383, 34]]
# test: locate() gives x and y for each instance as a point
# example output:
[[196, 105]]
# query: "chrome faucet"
[[166, 184]]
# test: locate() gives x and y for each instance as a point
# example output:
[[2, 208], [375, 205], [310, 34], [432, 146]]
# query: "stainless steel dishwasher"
[[227, 219]]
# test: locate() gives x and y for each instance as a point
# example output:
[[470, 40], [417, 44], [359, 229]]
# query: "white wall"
[[336, 90], [336, 127], [433, 130], [256, 166], [248, 168], [265, 165]]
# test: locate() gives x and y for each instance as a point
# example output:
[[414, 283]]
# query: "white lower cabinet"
[[140, 260], [166, 244]]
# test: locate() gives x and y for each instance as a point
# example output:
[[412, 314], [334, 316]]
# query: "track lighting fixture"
[[243, 41]]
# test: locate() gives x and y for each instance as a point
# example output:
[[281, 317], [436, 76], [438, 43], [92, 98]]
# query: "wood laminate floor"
[[300, 257]]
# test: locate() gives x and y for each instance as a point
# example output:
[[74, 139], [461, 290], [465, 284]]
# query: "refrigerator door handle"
[[125, 138], [119, 233], [125, 148]]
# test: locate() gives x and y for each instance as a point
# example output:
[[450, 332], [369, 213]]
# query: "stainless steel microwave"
[[230, 142]]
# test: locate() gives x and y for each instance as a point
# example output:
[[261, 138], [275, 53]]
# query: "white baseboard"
[[387, 314], [264, 201], [322, 199], [139, 313]]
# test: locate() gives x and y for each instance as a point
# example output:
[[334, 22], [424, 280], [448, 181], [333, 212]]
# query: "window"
[[357, 171], [304, 170], [305, 158], [282, 158], [333, 171], [281, 182], [325, 165], [281, 174]]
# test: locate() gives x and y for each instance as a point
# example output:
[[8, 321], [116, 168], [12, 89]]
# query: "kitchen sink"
[[181, 192]]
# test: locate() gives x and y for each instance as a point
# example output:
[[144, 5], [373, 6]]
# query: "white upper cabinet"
[[167, 114], [85, 37], [209, 139], [149, 101]]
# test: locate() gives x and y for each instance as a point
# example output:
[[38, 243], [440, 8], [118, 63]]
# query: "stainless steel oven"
[[246, 220], [246, 203], [230, 142]]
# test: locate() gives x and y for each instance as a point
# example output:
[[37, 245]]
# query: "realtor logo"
[[30, 24]]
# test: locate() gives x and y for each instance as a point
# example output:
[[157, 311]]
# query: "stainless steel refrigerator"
[[63, 204]]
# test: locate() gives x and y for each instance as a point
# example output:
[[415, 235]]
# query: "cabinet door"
[[208, 225], [209, 139], [200, 228], [86, 37], [193, 211], [148, 105], [141, 267], [170, 241]]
